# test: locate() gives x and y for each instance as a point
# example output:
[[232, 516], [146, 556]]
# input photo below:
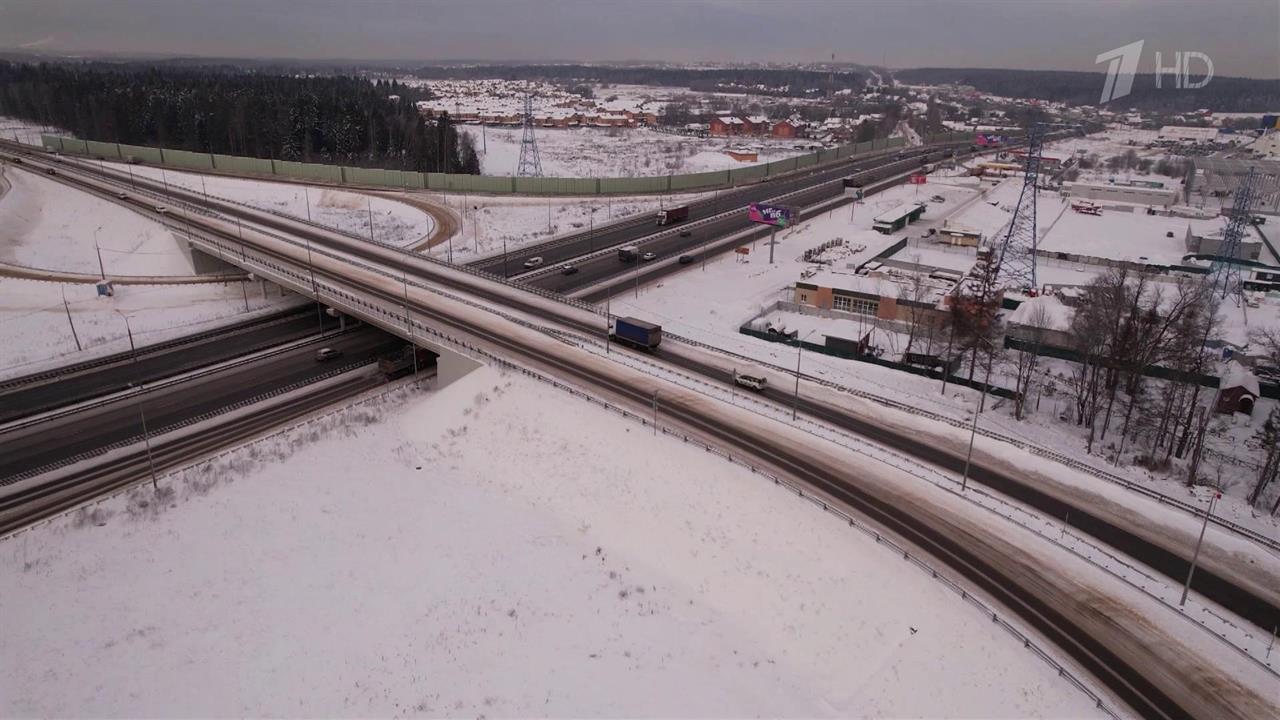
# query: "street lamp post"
[[142, 415], [1192, 570], [795, 400]]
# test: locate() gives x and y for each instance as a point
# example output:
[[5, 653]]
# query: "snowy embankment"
[[509, 550], [619, 152], [493, 222], [45, 224], [38, 334], [392, 222]]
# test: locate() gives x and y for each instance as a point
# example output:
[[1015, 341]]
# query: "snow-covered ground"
[[45, 224], [23, 131], [618, 152], [393, 222], [37, 333], [491, 220], [710, 305], [507, 551]]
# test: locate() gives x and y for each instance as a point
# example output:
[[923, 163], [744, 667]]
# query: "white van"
[[751, 378], [533, 262]]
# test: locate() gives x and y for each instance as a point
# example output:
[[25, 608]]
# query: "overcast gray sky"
[[1241, 36]]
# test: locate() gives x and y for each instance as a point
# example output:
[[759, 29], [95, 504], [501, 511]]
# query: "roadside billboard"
[[775, 215], [990, 139]]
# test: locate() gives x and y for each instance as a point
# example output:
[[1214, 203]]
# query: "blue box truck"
[[636, 333]]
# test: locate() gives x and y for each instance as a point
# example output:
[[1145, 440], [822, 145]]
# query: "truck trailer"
[[636, 333], [671, 216]]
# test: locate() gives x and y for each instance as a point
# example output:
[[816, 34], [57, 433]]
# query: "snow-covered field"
[[491, 220], [618, 152], [497, 548], [22, 131], [37, 333], [393, 222], [45, 224]]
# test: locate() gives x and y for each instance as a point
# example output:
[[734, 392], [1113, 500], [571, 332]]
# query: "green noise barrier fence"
[[402, 179]]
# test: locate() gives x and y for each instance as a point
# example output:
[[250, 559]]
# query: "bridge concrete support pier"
[[450, 366]]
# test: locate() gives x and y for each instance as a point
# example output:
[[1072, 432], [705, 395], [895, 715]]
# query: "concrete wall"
[[1122, 193]]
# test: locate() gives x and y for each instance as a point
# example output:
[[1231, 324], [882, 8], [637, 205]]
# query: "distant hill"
[[1222, 94]]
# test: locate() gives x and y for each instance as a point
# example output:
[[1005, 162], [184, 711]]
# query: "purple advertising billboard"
[[984, 139], [775, 215]]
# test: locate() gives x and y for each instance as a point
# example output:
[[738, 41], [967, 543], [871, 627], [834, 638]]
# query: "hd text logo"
[[1122, 65]]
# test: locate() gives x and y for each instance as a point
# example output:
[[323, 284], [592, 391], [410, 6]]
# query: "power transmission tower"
[[1016, 256], [1224, 274], [530, 160]]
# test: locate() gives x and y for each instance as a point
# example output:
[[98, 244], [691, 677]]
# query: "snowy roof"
[[758, 120], [899, 212], [1056, 315], [1237, 376], [729, 120]]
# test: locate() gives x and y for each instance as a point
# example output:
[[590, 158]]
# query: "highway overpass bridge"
[[470, 318]]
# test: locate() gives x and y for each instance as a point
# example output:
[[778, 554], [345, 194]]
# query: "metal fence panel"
[[696, 180], [747, 174], [806, 160], [149, 155], [72, 145], [185, 159], [239, 164], [109, 151], [52, 143]]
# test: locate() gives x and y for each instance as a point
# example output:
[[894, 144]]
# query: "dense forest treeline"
[[763, 81], [222, 109], [1222, 94]]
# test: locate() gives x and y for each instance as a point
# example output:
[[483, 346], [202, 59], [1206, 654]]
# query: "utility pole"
[[368, 201], [315, 289], [1192, 570], [655, 413], [773, 238], [101, 270], [142, 415], [608, 324], [408, 320], [67, 307], [973, 430], [504, 258], [306, 194], [795, 400]]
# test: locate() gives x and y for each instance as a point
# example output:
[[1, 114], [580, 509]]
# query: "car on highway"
[[122, 195], [686, 232], [325, 354], [569, 270], [51, 171], [162, 209], [686, 259], [532, 263], [648, 256]]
